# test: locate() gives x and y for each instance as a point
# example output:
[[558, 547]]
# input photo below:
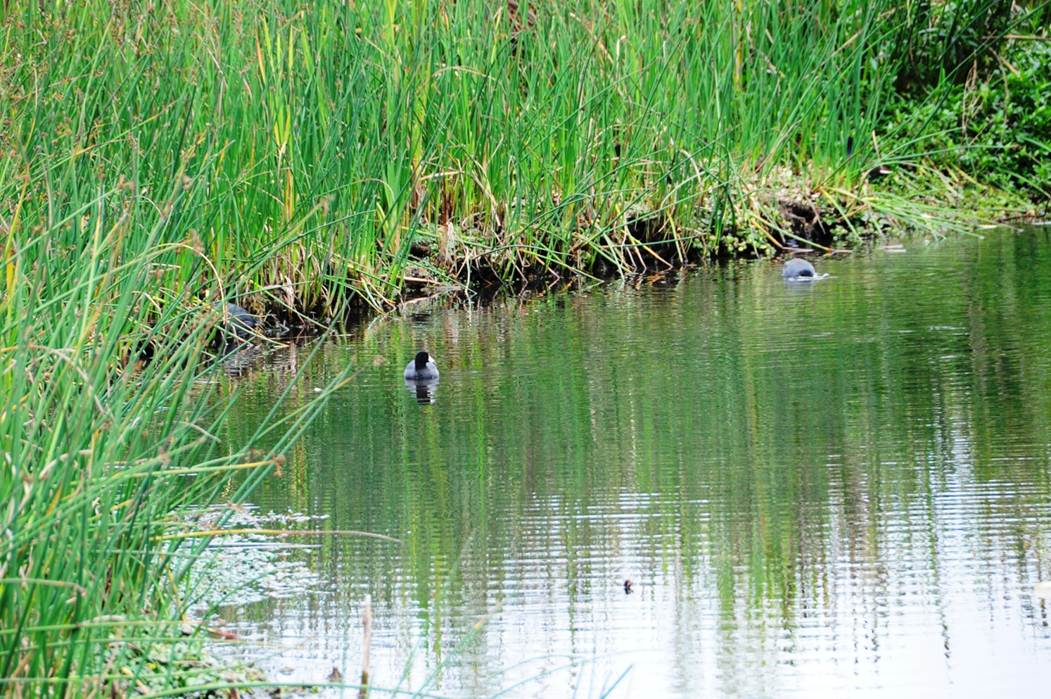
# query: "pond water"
[[841, 487]]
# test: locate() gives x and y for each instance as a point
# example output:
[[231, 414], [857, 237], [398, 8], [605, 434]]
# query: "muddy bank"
[[443, 262]]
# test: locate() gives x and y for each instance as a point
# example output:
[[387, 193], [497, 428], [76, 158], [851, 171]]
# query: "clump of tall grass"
[[347, 149], [99, 451]]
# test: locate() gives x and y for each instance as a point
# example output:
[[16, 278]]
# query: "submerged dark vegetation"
[[313, 160]]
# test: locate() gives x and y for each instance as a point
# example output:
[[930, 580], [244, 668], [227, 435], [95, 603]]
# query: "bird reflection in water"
[[425, 391], [237, 360]]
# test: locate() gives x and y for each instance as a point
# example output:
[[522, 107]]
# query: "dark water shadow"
[[426, 392]]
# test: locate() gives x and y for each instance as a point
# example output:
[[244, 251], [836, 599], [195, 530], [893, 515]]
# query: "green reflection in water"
[[816, 488]]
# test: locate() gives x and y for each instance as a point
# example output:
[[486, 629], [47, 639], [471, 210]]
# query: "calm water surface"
[[817, 490]]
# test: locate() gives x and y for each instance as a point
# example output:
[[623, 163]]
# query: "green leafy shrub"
[[997, 130]]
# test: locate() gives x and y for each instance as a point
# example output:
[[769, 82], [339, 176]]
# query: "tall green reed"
[[99, 451], [344, 146]]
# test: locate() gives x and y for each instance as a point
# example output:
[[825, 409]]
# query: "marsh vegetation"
[[316, 161]]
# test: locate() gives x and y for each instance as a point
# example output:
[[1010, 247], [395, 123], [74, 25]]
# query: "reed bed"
[[101, 455], [327, 155]]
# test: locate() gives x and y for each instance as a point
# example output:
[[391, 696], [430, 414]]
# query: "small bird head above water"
[[421, 368], [796, 268]]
